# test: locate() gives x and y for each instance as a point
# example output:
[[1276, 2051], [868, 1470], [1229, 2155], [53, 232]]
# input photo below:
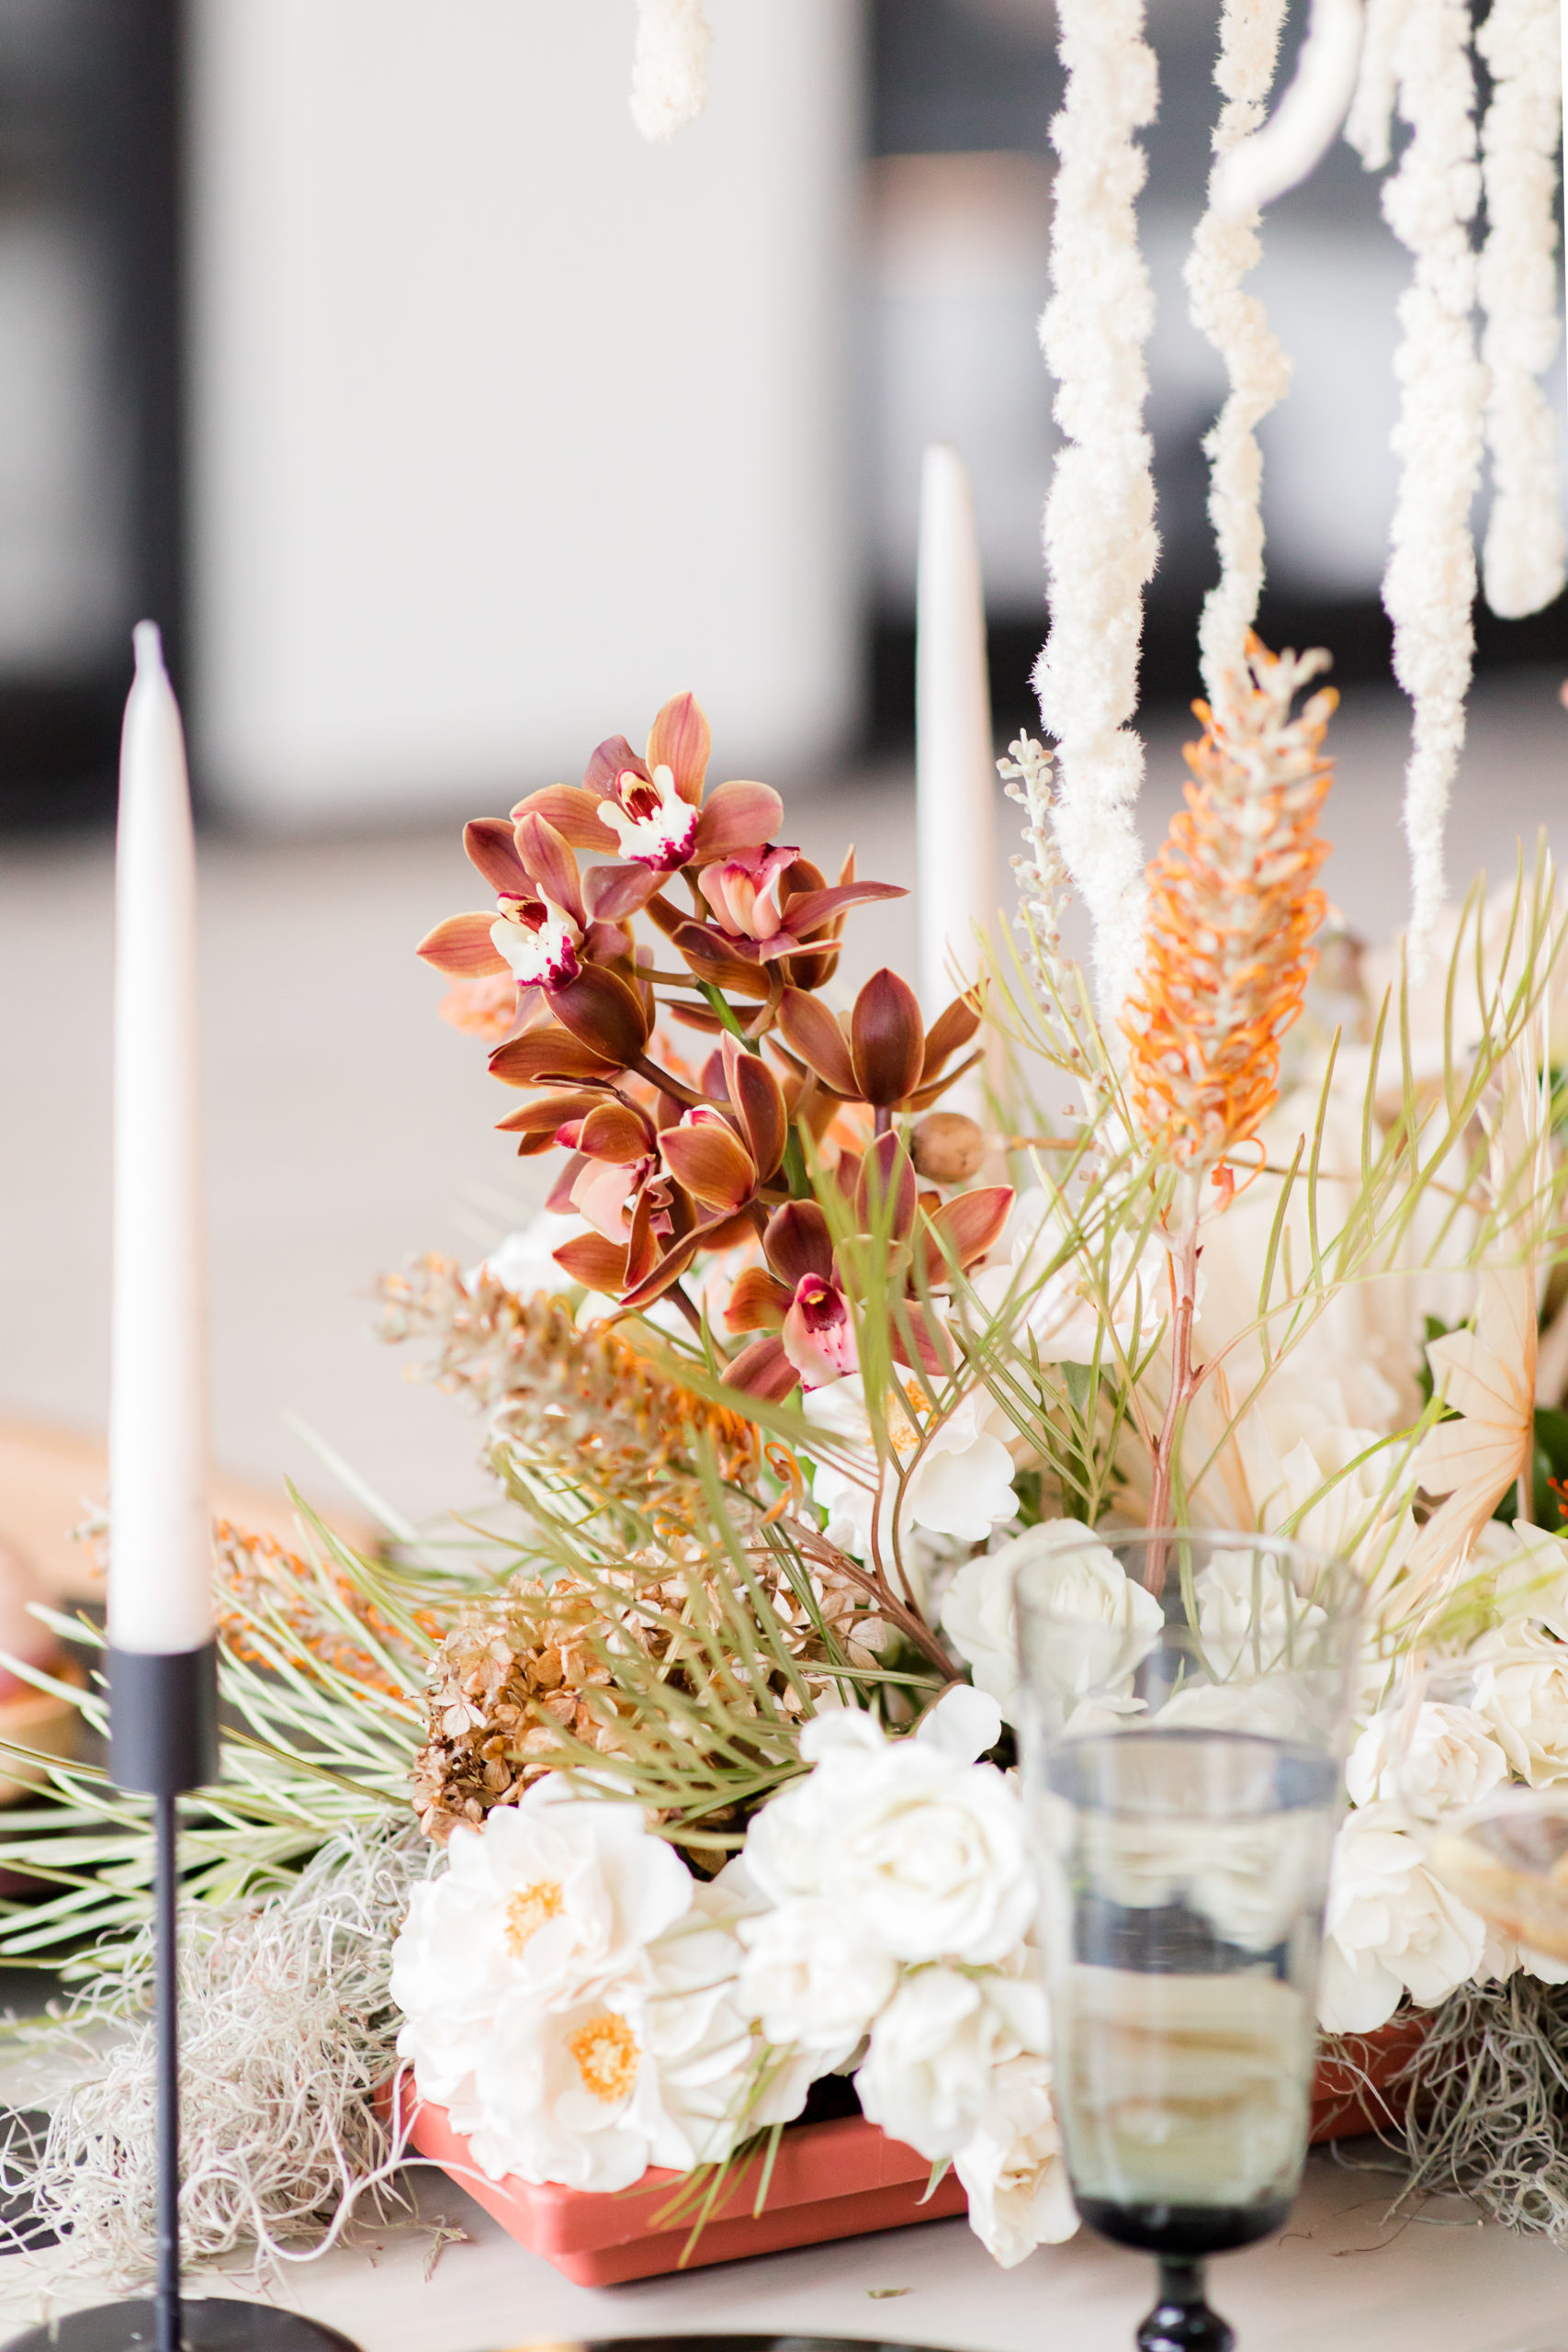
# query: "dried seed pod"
[[947, 1148]]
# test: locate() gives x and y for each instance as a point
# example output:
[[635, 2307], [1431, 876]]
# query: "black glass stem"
[[1181, 2320]]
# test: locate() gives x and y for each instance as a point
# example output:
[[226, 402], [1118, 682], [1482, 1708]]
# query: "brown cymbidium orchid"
[[882, 1055], [801, 1299], [651, 811], [772, 917]]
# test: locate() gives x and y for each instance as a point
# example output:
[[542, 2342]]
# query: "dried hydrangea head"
[[544, 1667], [1232, 911]]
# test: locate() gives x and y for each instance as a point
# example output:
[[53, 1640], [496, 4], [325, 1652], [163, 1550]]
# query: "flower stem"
[[1184, 1380]]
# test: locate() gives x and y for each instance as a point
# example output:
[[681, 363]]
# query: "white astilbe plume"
[[1224, 248], [1420, 50], [1044, 892], [670, 71], [1523, 559], [1101, 544], [286, 2027]]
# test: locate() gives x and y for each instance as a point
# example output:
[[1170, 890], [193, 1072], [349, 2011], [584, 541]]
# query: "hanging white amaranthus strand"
[[670, 71], [1101, 544], [1523, 559], [1224, 248], [1422, 47]]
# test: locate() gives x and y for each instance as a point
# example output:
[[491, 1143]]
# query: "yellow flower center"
[[606, 2054], [904, 1419], [527, 1910]]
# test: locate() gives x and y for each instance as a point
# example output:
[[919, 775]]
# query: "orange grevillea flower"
[[1233, 909]]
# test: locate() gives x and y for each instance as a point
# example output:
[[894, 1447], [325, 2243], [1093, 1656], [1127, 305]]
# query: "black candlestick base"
[[212, 2325], [1181, 2320]]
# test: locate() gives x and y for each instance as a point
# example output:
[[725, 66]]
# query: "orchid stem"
[[677, 1291]]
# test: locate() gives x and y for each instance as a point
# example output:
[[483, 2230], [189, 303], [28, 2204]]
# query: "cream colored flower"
[[1252, 1621], [813, 1980], [1528, 1571], [1522, 1690], [1450, 1756], [1487, 1377], [920, 1852], [1012, 2166], [566, 2094], [929, 2074], [1391, 1928], [1071, 1573], [960, 1480]]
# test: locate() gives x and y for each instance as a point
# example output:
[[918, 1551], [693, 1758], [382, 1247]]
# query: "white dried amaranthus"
[[669, 70], [1100, 543], [1417, 54], [1523, 559], [1224, 248]]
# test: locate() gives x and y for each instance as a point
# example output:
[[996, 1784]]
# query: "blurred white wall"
[[505, 424]]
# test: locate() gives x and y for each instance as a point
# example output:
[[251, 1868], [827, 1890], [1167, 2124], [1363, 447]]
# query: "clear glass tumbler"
[[1186, 1706]]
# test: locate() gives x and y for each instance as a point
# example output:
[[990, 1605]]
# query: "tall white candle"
[[160, 1573], [955, 778]]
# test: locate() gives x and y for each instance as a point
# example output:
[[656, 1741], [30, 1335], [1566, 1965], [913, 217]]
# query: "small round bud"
[[947, 1148]]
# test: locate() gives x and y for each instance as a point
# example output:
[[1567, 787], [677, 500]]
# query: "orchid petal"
[[611, 893], [462, 947], [757, 1303], [739, 816], [812, 1032], [754, 1091], [549, 1057], [814, 908], [545, 852], [950, 1030], [604, 1013], [491, 849], [573, 812], [887, 1040], [798, 1242], [610, 759], [711, 1162], [762, 1371], [679, 739]]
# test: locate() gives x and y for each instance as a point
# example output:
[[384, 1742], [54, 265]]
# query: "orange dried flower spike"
[[257, 1579], [1232, 911]]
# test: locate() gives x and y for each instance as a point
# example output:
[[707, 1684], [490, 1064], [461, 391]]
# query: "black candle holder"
[[163, 1742]]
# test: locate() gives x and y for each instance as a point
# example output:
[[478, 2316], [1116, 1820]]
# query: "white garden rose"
[[928, 2075], [695, 2022], [1529, 1574], [1012, 2167], [1522, 1690], [1392, 1928], [1073, 1573], [1448, 1755], [959, 1483], [810, 1979], [920, 1853], [565, 2094]]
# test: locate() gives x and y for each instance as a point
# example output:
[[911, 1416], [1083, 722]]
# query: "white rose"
[[1522, 1690], [1072, 1574], [928, 2077], [960, 1484], [1392, 1928], [1449, 1756], [1529, 1574], [1012, 2167], [921, 1854], [694, 2019], [811, 1981], [1274, 1707], [525, 1261], [1252, 1623]]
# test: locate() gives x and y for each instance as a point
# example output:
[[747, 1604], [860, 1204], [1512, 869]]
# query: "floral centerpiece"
[[682, 1781]]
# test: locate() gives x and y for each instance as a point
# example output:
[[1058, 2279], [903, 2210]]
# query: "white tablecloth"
[[1336, 2280]]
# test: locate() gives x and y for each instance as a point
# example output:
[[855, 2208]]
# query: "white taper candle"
[[956, 777], [160, 1572]]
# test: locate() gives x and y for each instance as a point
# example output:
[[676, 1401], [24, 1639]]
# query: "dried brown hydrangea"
[[546, 1667]]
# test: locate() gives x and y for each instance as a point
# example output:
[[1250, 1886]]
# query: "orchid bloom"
[[799, 1300], [652, 808], [744, 892]]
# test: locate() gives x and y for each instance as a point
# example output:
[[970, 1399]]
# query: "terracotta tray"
[[831, 2180], [836, 2179]]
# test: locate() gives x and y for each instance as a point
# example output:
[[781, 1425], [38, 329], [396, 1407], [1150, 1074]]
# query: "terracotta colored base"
[[1346, 2100], [831, 2180]]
